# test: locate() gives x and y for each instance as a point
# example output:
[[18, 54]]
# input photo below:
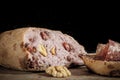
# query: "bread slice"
[[106, 60]]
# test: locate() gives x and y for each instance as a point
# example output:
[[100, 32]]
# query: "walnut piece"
[[58, 71], [42, 50], [53, 51]]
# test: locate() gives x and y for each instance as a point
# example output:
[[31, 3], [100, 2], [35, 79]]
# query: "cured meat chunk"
[[109, 51]]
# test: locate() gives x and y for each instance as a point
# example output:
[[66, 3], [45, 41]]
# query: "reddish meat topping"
[[109, 51]]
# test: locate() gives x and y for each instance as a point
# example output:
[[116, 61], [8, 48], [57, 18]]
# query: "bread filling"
[[46, 48]]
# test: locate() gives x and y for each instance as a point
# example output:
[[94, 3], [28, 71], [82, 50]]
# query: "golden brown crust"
[[108, 68], [11, 55]]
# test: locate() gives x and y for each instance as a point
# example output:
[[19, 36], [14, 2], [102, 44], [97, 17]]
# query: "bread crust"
[[11, 53]]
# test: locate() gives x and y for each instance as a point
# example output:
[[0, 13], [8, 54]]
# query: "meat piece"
[[44, 35], [38, 48], [109, 51]]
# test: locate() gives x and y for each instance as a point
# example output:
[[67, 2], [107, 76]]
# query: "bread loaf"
[[35, 49]]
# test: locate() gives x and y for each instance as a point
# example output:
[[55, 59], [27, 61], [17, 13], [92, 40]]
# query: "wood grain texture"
[[79, 73]]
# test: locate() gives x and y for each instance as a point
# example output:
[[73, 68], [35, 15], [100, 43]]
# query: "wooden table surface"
[[79, 73]]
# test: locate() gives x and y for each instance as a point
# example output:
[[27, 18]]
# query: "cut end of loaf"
[[46, 48]]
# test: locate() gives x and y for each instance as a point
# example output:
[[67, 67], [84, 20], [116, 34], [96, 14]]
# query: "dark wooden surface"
[[80, 73]]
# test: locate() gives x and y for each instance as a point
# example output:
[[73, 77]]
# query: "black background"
[[88, 25]]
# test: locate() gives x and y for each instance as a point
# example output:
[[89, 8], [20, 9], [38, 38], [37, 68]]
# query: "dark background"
[[88, 25]]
